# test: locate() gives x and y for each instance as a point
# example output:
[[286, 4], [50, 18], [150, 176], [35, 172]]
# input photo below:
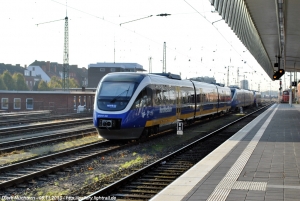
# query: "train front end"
[[113, 100]]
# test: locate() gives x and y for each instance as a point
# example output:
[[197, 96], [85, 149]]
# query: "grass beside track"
[[16, 156]]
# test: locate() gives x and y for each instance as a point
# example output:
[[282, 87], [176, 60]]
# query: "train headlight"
[[105, 123], [109, 123]]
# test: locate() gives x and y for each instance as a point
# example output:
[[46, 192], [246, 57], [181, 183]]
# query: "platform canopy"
[[269, 29]]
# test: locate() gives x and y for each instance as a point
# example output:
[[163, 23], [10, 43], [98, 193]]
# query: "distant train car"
[[241, 98], [257, 98], [134, 105], [286, 96]]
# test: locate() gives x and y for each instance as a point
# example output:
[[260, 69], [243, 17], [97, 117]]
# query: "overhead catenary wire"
[[49, 22]]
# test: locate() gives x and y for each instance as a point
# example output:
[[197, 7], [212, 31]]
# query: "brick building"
[[57, 101]]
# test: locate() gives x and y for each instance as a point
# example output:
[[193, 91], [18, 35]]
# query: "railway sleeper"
[[138, 191], [170, 168], [144, 187], [163, 171], [132, 196], [148, 183], [160, 176], [155, 180]]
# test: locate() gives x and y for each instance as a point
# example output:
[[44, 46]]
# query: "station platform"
[[260, 162]]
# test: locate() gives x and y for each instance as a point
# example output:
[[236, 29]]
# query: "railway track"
[[148, 181], [13, 131], [28, 170], [23, 171], [53, 136], [25, 118], [37, 167]]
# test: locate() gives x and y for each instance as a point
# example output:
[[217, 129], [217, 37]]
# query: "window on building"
[[84, 100], [33, 68], [74, 103], [29, 103], [79, 100], [17, 103], [102, 69], [4, 103]]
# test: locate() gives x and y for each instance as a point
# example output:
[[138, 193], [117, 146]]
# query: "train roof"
[[167, 78]]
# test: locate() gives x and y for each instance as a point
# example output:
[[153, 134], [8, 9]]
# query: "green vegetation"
[[136, 161], [17, 82]]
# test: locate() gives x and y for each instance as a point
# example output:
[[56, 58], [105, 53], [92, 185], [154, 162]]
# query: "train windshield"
[[115, 96], [116, 91]]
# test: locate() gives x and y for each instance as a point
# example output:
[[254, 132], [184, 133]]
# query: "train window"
[[172, 96], [198, 98], [191, 98], [143, 99], [157, 96], [79, 100], [17, 103], [165, 96], [29, 103], [183, 97], [114, 96], [84, 100], [4, 103]]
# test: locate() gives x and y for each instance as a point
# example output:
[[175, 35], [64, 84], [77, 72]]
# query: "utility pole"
[[66, 57], [228, 75], [65, 76], [164, 58]]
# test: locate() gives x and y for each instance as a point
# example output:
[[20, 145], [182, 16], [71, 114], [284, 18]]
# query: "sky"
[[198, 42]]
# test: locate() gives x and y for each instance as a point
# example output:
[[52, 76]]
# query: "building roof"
[[136, 66]]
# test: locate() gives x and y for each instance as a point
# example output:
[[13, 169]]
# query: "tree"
[[2, 84], [43, 86], [55, 82], [20, 82], [73, 83], [8, 81]]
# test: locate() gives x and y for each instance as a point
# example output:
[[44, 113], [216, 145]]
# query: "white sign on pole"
[[179, 127]]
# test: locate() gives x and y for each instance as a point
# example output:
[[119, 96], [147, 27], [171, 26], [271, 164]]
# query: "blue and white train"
[[133, 105], [241, 98], [257, 98]]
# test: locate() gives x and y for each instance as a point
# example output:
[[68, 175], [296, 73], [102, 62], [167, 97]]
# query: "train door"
[[178, 103]]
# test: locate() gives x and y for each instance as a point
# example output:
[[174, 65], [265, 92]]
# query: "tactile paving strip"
[[223, 189], [249, 185]]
